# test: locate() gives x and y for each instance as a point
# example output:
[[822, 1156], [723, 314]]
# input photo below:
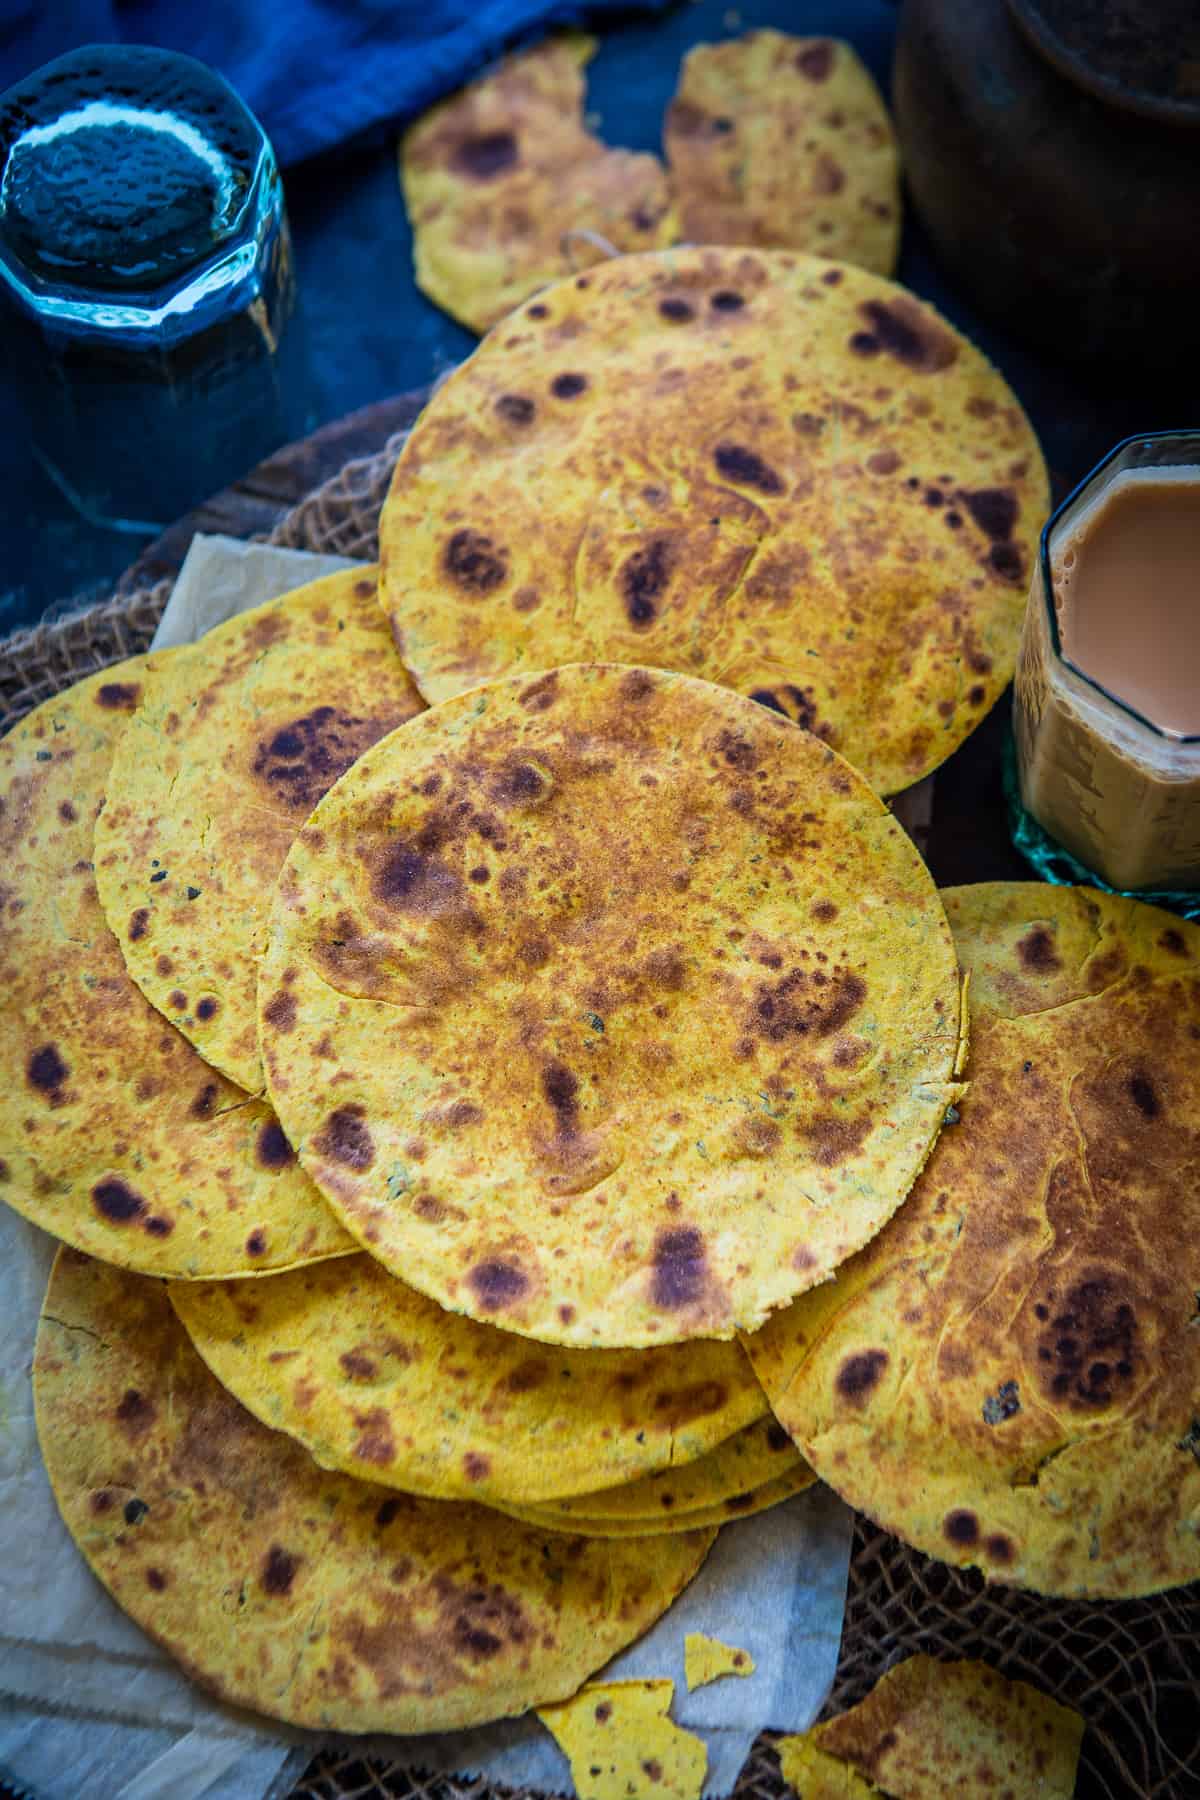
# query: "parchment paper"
[[129, 1726]]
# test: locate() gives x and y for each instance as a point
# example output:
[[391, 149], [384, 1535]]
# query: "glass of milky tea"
[[1107, 709]]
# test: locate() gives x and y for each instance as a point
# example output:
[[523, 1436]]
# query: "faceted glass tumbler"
[[1097, 791], [147, 292]]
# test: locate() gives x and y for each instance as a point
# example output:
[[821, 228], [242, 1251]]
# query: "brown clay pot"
[[1071, 218]]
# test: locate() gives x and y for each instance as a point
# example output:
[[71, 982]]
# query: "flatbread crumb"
[[707, 1659]]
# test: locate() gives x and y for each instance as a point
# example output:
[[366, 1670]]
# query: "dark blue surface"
[[371, 333], [316, 73]]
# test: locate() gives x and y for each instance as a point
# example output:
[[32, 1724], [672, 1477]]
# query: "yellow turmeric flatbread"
[[623, 1745], [608, 1007], [1008, 1376], [613, 1524], [785, 475], [236, 739], [507, 190], [302, 1594], [780, 141], [707, 1659], [929, 1729], [743, 1462], [114, 1134], [376, 1379]]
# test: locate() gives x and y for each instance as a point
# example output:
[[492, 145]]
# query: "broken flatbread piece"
[[816, 1775], [931, 1728], [622, 1745], [783, 141], [506, 190], [707, 1659]]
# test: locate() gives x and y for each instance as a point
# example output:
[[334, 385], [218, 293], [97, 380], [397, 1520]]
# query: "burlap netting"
[[1131, 1668]]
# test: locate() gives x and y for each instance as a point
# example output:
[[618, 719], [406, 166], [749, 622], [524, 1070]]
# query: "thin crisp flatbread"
[[376, 1379], [1008, 1376], [234, 742], [115, 1136], [507, 190], [707, 1659], [780, 141], [746, 1460], [608, 1007], [719, 1512], [929, 1729], [784, 475], [302, 1594], [622, 1743]]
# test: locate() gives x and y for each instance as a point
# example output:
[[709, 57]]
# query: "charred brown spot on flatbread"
[[300, 760], [280, 1011], [376, 1443], [46, 1071], [1088, 1349], [561, 1088], [680, 1264], [901, 328], [117, 1202], [643, 578], [271, 1148], [804, 1001], [835, 1139], [474, 562], [486, 156], [816, 59], [860, 1374], [497, 1284], [119, 696], [961, 1527], [204, 1101], [516, 409], [278, 1570], [1037, 951], [135, 1414], [346, 1138], [740, 464]]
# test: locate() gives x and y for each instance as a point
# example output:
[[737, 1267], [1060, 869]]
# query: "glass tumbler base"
[[1049, 860]]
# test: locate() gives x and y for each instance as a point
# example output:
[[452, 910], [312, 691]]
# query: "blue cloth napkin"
[[316, 73]]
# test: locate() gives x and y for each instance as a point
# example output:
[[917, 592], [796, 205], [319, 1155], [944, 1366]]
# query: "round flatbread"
[[1009, 1375], [784, 141], [114, 1135], [299, 1593], [507, 190], [788, 476], [374, 1378], [608, 1007], [748, 1459], [235, 741], [720, 1512]]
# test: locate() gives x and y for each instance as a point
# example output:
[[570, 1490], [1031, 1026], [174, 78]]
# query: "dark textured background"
[[371, 333]]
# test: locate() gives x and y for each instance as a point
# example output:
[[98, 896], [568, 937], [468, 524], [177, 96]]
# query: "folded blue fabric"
[[316, 73]]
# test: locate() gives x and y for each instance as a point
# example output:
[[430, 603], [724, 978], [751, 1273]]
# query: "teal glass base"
[[1053, 863]]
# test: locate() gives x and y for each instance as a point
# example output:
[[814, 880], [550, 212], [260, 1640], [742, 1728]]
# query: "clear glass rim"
[[1080, 488]]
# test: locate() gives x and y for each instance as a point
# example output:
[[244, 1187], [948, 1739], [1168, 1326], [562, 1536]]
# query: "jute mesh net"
[[1131, 1668]]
